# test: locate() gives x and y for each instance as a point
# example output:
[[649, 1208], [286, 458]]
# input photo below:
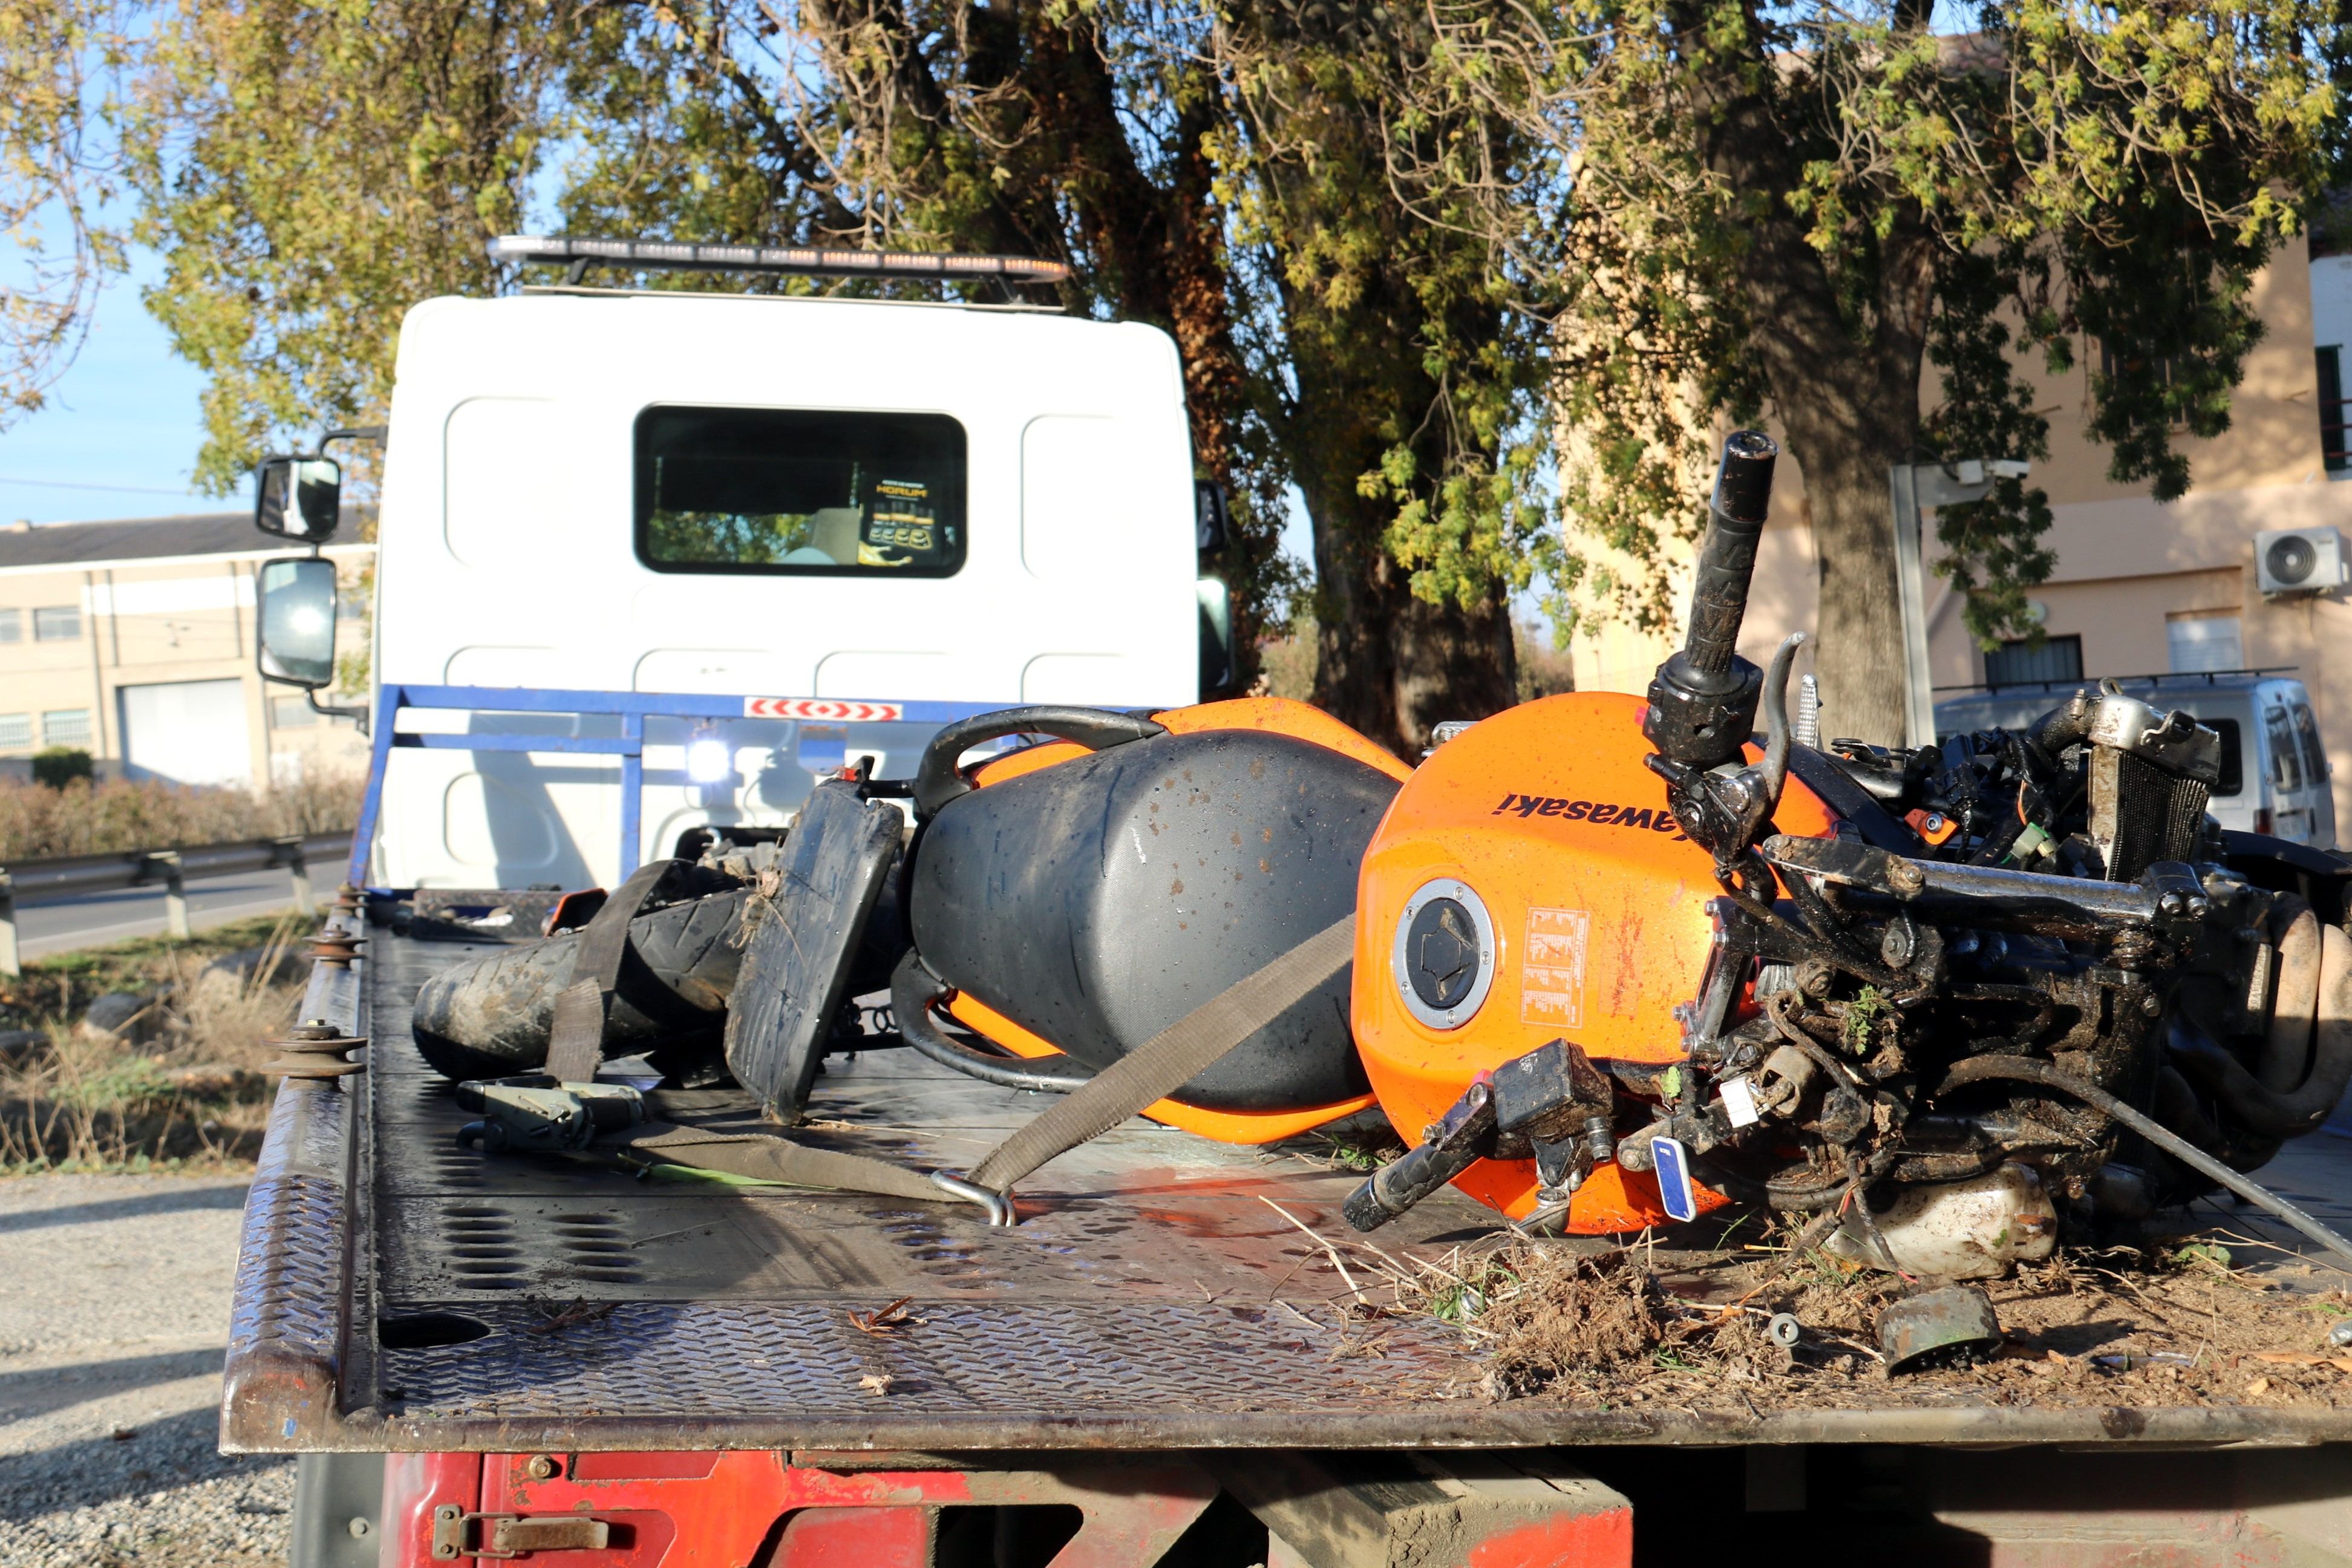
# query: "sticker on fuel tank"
[[1551, 968], [1599, 813]]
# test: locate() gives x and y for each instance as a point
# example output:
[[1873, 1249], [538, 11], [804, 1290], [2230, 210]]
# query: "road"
[[87, 919], [114, 1295]]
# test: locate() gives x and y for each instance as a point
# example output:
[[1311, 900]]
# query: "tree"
[[1407, 379], [57, 174], [1805, 209], [1168, 156], [309, 170]]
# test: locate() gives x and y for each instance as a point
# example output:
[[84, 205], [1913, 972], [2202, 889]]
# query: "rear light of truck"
[[2263, 821]]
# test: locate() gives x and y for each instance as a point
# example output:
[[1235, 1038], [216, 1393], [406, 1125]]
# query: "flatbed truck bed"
[[399, 1294]]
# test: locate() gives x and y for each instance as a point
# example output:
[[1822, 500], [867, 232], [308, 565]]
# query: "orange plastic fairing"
[[1281, 716], [1224, 1126], [1599, 909], [1277, 715]]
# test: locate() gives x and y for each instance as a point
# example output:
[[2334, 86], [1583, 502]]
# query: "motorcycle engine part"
[[1089, 899], [1975, 1229], [2150, 777], [1957, 1320], [796, 967]]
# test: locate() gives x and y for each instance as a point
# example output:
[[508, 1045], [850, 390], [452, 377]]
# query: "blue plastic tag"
[[1673, 1163]]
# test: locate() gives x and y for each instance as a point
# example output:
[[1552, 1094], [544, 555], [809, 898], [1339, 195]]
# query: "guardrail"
[[33, 882]]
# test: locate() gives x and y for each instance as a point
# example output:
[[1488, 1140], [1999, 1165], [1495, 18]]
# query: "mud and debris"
[[2208, 1319], [2178, 1324]]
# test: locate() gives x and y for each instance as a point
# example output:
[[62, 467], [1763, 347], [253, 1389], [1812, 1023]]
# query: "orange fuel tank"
[[1542, 826]]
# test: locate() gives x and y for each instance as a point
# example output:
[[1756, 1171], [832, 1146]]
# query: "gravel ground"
[[114, 1295]]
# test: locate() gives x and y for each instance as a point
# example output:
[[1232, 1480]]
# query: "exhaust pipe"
[[1703, 699]]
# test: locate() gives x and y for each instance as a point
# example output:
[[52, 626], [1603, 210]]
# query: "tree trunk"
[[1844, 379], [1858, 641], [1388, 664]]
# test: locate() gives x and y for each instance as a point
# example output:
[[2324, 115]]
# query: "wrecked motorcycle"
[[1616, 962]]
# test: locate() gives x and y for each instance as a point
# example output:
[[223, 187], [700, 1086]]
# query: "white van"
[[767, 498], [2274, 772]]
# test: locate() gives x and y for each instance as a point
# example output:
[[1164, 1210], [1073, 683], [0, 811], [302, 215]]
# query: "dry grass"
[[38, 822], [179, 1089], [2218, 1318]]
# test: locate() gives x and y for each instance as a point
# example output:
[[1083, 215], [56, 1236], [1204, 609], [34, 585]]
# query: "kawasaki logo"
[[1653, 819]]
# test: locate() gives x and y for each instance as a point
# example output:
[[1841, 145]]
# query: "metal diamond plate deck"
[[1152, 1296]]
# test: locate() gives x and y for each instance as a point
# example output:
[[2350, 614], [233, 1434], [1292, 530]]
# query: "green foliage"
[[309, 172], [1750, 208], [60, 766], [60, 65]]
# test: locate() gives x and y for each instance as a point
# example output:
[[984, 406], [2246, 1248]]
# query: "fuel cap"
[[1444, 955]]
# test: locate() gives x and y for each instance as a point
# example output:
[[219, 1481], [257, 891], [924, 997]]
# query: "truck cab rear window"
[[795, 491]]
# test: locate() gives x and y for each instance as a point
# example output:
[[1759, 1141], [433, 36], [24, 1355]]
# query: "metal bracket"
[[457, 1534]]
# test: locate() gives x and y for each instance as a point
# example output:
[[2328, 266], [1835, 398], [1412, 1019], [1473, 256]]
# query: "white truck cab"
[[828, 509]]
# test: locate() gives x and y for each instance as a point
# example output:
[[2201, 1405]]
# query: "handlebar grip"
[[1727, 560]]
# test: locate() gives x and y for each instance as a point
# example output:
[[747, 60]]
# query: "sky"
[[119, 437]]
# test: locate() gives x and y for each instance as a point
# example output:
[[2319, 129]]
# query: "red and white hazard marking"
[[824, 709]]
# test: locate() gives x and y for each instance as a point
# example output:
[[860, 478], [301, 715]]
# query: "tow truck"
[[652, 563]]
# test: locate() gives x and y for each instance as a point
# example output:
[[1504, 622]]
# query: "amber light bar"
[[812, 261]]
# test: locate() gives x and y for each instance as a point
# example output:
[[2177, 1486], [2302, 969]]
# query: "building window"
[[56, 623], [2021, 664], [15, 732], [291, 713], [2331, 410], [12, 626], [65, 726], [2202, 644]]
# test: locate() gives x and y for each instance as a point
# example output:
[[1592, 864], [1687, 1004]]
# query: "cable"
[[1975, 1069]]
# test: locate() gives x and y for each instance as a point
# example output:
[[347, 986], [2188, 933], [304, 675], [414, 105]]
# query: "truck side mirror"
[[1216, 638], [1211, 522], [298, 497], [296, 640]]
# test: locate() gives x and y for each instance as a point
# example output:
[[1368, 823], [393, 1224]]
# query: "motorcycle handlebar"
[[1727, 560]]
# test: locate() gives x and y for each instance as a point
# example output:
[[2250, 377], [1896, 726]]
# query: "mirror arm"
[[358, 714], [372, 433]]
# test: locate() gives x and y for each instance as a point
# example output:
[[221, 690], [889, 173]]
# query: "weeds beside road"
[[37, 822], [171, 1084]]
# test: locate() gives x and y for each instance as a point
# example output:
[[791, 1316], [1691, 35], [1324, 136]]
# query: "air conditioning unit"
[[2300, 561]]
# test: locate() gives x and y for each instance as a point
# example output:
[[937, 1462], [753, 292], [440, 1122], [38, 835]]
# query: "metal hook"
[[999, 1206]]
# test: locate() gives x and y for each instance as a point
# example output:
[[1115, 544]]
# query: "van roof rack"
[[2208, 676], [577, 255]]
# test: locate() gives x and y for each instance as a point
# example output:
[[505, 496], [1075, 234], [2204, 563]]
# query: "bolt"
[[2171, 904], [2150, 1003], [543, 1467], [1904, 878], [359, 1529]]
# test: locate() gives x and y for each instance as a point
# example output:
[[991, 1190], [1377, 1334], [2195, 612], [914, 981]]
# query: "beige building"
[[2140, 588], [133, 641]]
